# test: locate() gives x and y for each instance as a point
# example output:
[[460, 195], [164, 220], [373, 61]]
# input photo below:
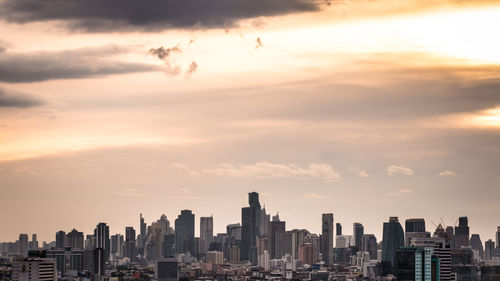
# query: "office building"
[[393, 239], [476, 244], [248, 248], [327, 238], [184, 232], [414, 228], [167, 270], [277, 238], [489, 249], [358, 231], [462, 233], [101, 234], [416, 264], [369, 244], [60, 239], [206, 233], [308, 253], [214, 257], [338, 229], [33, 268], [442, 250], [75, 239], [23, 245]]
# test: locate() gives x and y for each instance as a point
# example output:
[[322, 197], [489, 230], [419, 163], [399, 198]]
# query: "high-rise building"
[[234, 255], [130, 250], [442, 250], [253, 202], [277, 238], [214, 257], [90, 241], [414, 228], [234, 231], [206, 232], [75, 239], [116, 245], [167, 270], [101, 234], [476, 244], [142, 232], [339, 229], [33, 268], [393, 239], [23, 245], [265, 220], [489, 249], [416, 264], [248, 248], [308, 253], [498, 241], [369, 244], [327, 238], [462, 233], [184, 232], [168, 245], [358, 231], [60, 239], [33, 245]]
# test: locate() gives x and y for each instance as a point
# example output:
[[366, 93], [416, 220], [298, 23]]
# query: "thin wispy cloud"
[[446, 173], [400, 192], [399, 170], [358, 171]]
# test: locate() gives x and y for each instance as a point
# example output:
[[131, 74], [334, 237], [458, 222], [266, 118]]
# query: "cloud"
[[166, 55], [358, 171], [67, 64], [446, 173], [268, 170], [185, 190], [151, 15], [315, 196], [193, 67], [394, 170], [400, 192], [131, 192], [10, 99], [258, 43]]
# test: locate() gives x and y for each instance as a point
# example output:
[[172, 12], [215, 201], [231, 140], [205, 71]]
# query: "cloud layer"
[[10, 99], [395, 170], [105, 15]]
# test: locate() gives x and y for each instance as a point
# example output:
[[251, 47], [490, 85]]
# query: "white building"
[[41, 269]]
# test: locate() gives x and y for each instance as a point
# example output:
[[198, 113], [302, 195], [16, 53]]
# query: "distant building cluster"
[[258, 248]]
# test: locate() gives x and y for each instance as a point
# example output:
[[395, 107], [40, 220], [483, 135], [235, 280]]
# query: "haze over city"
[[364, 109]]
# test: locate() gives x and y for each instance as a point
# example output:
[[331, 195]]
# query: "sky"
[[366, 109]]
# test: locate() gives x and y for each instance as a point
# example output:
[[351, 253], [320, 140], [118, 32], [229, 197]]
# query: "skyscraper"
[[498, 241], [253, 202], [462, 233], [142, 233], [476, 244], [248, 249], [277, 236], [339, 229], [442, 251], [184, 232], [414, 228], [327, 238], [417, 264], [23, 245], [206, 232], [75, 239], [393, 239], [101, 234], [489, 249], [369, 244], [33, 245], [167, 270], [357, 231], [130, 250], [60, 239]]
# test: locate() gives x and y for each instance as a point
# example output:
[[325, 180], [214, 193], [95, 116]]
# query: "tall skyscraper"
[[253, 202], [369, 244], [339, 229], [498, 241], [476, 244], [462, 233], [327, 238], [130, 250], [489, 249], [358, 231], [23, 245], [33, 245], [184, 232], [60, 239], [206, 232], [248, 249], [101, 234], [414, 228], [277, 240], [393, 239], [142, 233], [116, 245], [75, 239]]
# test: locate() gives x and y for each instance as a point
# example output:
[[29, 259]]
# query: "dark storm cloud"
[[10, 99], [105, 15], [70, 64]]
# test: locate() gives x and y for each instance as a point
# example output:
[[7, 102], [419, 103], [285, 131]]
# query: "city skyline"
[[364, 109]]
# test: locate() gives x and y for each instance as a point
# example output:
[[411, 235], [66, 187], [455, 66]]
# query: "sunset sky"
[[364, 108]]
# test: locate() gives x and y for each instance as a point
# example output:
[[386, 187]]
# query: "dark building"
[[168, 245], [253, 202], [415, 225], [462, 233], [414, 263], [184, 232], [167, 270], [327, 238], [60, 239], [369, 244], [75, 239], [476, 244], [339, 229], [393, 239], [116, 244], [489, 249], [277, 240], [101, 234], [358, 231], [130, 249], [248, 235]]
